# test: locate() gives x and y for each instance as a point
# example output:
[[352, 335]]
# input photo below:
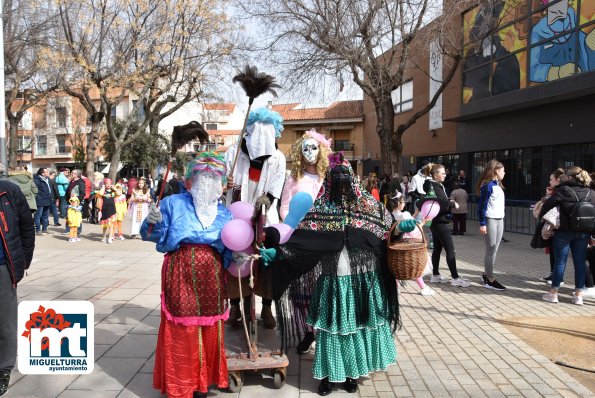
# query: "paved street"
[[451, 344]]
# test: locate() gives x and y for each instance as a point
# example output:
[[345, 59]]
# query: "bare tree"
[[372, 42], [158, 55], [28, 77]]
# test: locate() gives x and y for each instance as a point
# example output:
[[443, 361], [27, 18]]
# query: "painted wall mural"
[[514, 44]]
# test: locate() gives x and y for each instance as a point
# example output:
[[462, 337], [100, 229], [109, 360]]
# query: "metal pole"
[[3, 158]]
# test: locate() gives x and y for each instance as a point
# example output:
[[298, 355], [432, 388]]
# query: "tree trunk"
[[115, 161], [92, 139], [13, 141], [385, 117]]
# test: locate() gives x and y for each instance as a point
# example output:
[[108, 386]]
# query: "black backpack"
[[582, 215]]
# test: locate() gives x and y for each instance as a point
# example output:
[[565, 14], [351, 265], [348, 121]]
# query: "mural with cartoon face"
[[514, 44]]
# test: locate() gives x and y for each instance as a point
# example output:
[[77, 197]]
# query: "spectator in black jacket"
[[440, 228], [55, 199], [43, 200], [18, 240], [574, 186]]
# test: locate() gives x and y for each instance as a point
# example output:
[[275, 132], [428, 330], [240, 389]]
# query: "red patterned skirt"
[[190, 353]]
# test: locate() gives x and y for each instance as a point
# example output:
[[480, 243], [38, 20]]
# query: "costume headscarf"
[[263, 127], [361, 224]]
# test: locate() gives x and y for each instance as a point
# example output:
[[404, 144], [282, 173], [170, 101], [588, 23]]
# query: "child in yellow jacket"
[[121, 209], [74, 218]]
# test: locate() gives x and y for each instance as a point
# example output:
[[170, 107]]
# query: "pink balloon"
[[430, 209], [285, 231], [242, 269], [241, 211], [237, 235]]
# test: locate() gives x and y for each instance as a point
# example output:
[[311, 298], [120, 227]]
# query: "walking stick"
[[180, 136], [254, 84]]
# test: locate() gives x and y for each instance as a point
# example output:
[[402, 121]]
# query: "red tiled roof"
[[338, 110], [220, 107]]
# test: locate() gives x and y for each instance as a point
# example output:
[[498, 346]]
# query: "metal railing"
[[518, 217]]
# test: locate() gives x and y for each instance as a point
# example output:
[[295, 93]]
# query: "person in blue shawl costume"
[[190, 354], [335, 261]]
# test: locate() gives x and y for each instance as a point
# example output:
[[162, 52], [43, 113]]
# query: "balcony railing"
[[344, 146]]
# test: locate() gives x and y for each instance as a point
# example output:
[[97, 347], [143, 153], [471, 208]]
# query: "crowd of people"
[[68, 197], [326, 269]]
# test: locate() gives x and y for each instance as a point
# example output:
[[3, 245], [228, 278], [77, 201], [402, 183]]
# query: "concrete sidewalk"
[[451, 344]]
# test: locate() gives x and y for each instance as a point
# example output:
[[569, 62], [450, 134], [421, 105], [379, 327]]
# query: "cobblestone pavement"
[[451, 344]]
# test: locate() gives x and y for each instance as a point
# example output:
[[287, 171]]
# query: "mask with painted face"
[[310, 150]]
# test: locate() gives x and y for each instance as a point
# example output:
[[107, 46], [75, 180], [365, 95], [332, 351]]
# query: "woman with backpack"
[[573, 188]]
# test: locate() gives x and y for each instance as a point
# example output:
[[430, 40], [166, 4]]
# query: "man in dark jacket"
[[17, 235], [55, 199], [43, 200]]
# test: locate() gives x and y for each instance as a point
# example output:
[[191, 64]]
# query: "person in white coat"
[[258, 173]]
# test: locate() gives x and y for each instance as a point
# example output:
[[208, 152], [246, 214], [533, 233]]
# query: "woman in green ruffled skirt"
[[338, 252]]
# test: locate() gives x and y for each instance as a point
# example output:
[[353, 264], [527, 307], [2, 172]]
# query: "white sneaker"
[[71, 240], [460, 282], [438, 279], [77, 239], [577, 300], [589, 292], [550, 297], [103, 240], [427, 291], [110, 241], [121, 237]]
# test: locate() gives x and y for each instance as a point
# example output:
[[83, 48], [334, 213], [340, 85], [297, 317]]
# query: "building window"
[[42, 145], [24, 143], [513, 45], [140, 114], [211, 126], [114, 113], [61, 147], [61, 117], [403, 97]]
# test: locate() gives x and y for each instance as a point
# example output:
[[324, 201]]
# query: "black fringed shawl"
[[361, 224]]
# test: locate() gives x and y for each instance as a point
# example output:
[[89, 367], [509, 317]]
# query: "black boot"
[[306, 343], [4, 380], [234, 315], [350, 385], [267, 317], [325, 387]]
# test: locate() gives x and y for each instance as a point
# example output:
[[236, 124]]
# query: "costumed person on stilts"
[[309, 156], [341, 244], [257, 178], [190, 353]]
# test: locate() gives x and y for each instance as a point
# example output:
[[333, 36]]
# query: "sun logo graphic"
[[56, 337]]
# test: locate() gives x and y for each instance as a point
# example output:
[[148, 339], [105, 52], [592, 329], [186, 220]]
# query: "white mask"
[[206, 190], [260, 140], [310, 149]]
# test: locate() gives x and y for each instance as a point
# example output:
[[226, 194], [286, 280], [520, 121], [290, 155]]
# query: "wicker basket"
[[407, 257]]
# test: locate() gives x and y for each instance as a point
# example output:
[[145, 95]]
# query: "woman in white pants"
[[491, 218]]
